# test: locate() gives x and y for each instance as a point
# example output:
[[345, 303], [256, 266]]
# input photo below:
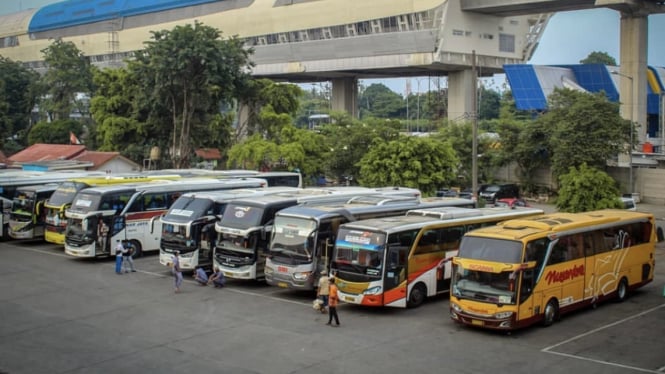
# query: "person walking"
[[127, 260], [332, 303], [177, 272], [118, 258], [323, 290]]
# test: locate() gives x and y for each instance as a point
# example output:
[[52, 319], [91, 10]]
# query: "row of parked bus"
[[503, 268]]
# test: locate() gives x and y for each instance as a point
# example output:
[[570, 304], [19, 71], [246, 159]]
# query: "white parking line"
[[549, 349]]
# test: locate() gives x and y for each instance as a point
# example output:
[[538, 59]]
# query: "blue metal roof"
[[79, 12], [595, 78], [526, 89]]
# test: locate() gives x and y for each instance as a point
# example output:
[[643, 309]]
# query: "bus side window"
[[429, 242]]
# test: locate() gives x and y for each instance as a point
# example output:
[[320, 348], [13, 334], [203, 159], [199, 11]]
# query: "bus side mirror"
[[266, 231]]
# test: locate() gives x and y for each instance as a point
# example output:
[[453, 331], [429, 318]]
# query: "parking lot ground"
[[64, 315]]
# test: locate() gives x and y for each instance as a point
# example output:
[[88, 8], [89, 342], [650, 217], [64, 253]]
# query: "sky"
[[568, 38]]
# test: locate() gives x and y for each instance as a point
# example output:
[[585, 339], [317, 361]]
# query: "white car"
[[629, 203]]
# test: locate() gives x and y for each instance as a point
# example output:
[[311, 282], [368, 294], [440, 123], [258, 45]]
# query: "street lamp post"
[[630, 108]]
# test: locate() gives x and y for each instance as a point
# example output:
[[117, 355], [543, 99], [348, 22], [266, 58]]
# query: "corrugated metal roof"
[[47, 152]]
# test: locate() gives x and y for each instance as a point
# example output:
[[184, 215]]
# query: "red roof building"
[[47, 152], [112, 162]]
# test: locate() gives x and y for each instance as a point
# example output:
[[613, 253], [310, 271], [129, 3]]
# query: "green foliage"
[[411, 162], [598, 57], [113, 110], [586, 188], [379, 101], [17, 98], [460, 137], [348, 140], [582, 128], [56, 132], [186, 73], [489, 103], [69, 73]]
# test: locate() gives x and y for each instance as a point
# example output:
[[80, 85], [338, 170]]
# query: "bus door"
[[531, 297], [395, 279]]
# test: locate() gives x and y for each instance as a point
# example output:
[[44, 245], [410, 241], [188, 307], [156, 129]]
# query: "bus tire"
[[417, 295], [622, 290], [551, 312], [137, 251]]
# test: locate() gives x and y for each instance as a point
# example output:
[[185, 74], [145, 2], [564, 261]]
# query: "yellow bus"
[[400, 261], [62, 199], [527, 271]]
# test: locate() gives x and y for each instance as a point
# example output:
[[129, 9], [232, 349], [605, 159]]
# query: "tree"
[[348, 140], [379, 101], [69, 74], [113, 109], [489, 103], [582, 128], [416, 162], [598, 57], [17, 98], [56, 132], [187, 73], [586, 188]]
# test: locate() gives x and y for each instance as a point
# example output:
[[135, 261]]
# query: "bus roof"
[[558, 223], [39, 188], [354, 206], [176, 185], [234, 193], [34, 178], [416, 219]]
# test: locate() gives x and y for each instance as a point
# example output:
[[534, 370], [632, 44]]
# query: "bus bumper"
[[54, 237], [81, 251], [23, 234], [243, 272]]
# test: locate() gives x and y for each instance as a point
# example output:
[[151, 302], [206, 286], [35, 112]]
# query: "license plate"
[[282, 284], [282, 269], [476, 322], [348, 298]]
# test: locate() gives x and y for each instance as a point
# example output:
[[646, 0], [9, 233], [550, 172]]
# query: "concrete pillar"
[[633, 81], [460, 95], [345, 95]]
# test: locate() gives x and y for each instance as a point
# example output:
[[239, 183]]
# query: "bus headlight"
[[301, 276], [456, 308], [372, 290], [268, 270], [503, 315], [187, 255]]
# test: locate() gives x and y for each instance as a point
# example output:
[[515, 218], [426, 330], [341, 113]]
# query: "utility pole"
[[474, 115]]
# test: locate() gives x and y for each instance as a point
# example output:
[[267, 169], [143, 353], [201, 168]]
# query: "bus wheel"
[[622, 290], [417, 295], [551, 312], [136, 249]]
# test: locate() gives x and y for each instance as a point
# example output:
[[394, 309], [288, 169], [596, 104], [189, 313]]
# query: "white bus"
[[99, 216], [303, 236], [189, 225], [27, 217], [244, 230], [400, 261]]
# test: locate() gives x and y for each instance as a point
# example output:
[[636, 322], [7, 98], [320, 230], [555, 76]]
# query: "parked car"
[[629, 203], [446, 192], [494, 192], [511, 202]]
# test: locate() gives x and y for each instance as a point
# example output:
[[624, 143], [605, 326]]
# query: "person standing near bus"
[[332, 302], [127, 260], [118, 258], [177, 272], [324, 290]]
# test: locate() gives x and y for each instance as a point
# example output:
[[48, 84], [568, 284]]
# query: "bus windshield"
[[293, 237], [24, 203], [497, 250], [242, 217], [86, 203], [65, 193], [187, 209], [484, 286], [359, 251], [174, 233]]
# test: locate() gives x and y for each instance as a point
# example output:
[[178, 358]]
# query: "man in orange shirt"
[[332, 302]]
